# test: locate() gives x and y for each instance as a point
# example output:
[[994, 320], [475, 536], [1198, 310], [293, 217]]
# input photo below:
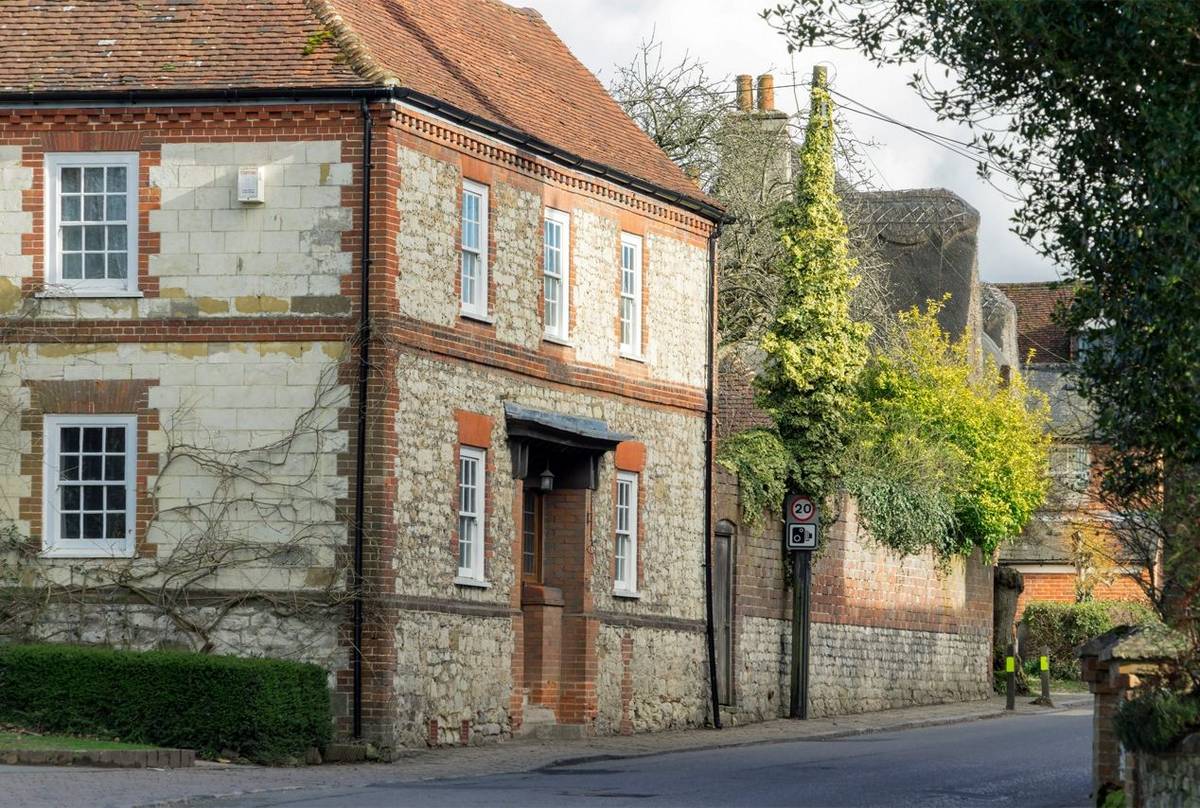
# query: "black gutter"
[[360, 459], [508, 134], [709, 460]]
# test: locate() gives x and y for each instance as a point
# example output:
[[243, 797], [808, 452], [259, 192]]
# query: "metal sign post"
[[802, 530]]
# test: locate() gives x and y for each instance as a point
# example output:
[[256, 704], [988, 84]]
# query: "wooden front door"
[[723, 610]]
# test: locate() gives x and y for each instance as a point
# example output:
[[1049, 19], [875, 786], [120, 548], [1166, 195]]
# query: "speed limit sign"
[[800, 510]]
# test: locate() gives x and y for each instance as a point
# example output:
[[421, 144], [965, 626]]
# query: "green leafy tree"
[[1092, 108], [814, 349], [950, 456]]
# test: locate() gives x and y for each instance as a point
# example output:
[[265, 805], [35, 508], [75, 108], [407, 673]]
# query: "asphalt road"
[[1031, 761]]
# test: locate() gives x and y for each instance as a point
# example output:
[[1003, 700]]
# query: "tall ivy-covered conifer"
[[815, 350]]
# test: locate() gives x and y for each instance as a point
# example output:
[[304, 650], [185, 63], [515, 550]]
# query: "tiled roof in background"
[[484, 57], [1036, 330]]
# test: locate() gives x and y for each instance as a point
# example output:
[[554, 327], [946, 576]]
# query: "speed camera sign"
[[802, 537]]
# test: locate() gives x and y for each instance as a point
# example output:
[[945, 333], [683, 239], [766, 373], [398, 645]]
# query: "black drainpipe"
[[709, 458], [364, 366]]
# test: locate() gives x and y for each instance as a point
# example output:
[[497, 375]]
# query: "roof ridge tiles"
[[358, 54]]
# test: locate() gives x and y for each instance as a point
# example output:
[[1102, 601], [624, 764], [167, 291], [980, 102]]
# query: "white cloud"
[[730, 37]]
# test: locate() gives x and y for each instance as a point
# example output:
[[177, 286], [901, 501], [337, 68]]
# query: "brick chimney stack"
[[745, 93], [766, 93]]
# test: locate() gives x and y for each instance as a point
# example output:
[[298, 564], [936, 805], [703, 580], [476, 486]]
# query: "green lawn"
[[21, 740]]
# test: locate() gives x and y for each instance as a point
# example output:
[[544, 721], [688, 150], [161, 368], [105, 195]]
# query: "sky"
[[730, 38]]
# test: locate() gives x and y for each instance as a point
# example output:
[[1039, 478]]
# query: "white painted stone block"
[[320, 197], [195, 176], [196, 221], [178, 153], [214, 154], [164, 221]]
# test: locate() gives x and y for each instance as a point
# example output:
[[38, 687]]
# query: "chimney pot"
[[744, 93], [766, 93]]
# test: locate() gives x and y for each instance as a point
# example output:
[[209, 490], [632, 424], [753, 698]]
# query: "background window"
[[556, 272], [470, 513], [474, 248], [90, 485], [91, 221], [631, 294], [626, 523]]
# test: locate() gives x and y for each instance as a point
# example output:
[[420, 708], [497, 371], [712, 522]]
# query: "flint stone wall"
[[1168, 781]]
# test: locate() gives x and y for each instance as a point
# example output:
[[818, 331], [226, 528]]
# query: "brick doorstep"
[[101, 758]]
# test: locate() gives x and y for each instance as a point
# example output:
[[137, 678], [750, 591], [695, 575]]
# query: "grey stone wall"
[[452, 668], [857, 669], [1168, 781], [668, 673]]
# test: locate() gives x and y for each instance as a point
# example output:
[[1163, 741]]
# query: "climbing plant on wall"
[[948, 454], [814, 349], [942, 453]]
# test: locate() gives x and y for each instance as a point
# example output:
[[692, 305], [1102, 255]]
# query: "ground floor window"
[[90, 475], [471, 482], [626, 530]]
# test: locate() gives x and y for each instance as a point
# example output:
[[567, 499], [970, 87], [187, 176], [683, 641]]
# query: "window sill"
[[86, 294], [474, 583], [477, 317], [86, 553], [632, 357], [628, 594], [556, 340]]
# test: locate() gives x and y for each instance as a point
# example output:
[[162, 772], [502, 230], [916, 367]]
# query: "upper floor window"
[[625, 569], [631, 295], [89, 474], [1072, 466], [471, 482], [556, 272], [474, 249], [91, 221]]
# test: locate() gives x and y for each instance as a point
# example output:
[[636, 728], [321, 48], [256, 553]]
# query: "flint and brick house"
[[296, 291], [1047, 553]]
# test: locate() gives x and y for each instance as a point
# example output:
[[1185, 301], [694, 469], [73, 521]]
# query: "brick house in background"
[[200, 203], [1045, 553]]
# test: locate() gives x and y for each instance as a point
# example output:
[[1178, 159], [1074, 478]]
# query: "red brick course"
[[1060, 588]]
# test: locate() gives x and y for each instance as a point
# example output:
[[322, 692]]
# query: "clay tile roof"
[[1036, 330], [486, 58], [163, 44]]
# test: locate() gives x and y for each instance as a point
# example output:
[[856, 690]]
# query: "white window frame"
[[631, 244], [625, 580], [477, 308], [472, 574], [54, 163], [561, 330], [53, 545]]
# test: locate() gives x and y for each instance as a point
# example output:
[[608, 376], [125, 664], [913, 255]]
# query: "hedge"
[[1156, 720], [265, 710], [1066, 626]]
